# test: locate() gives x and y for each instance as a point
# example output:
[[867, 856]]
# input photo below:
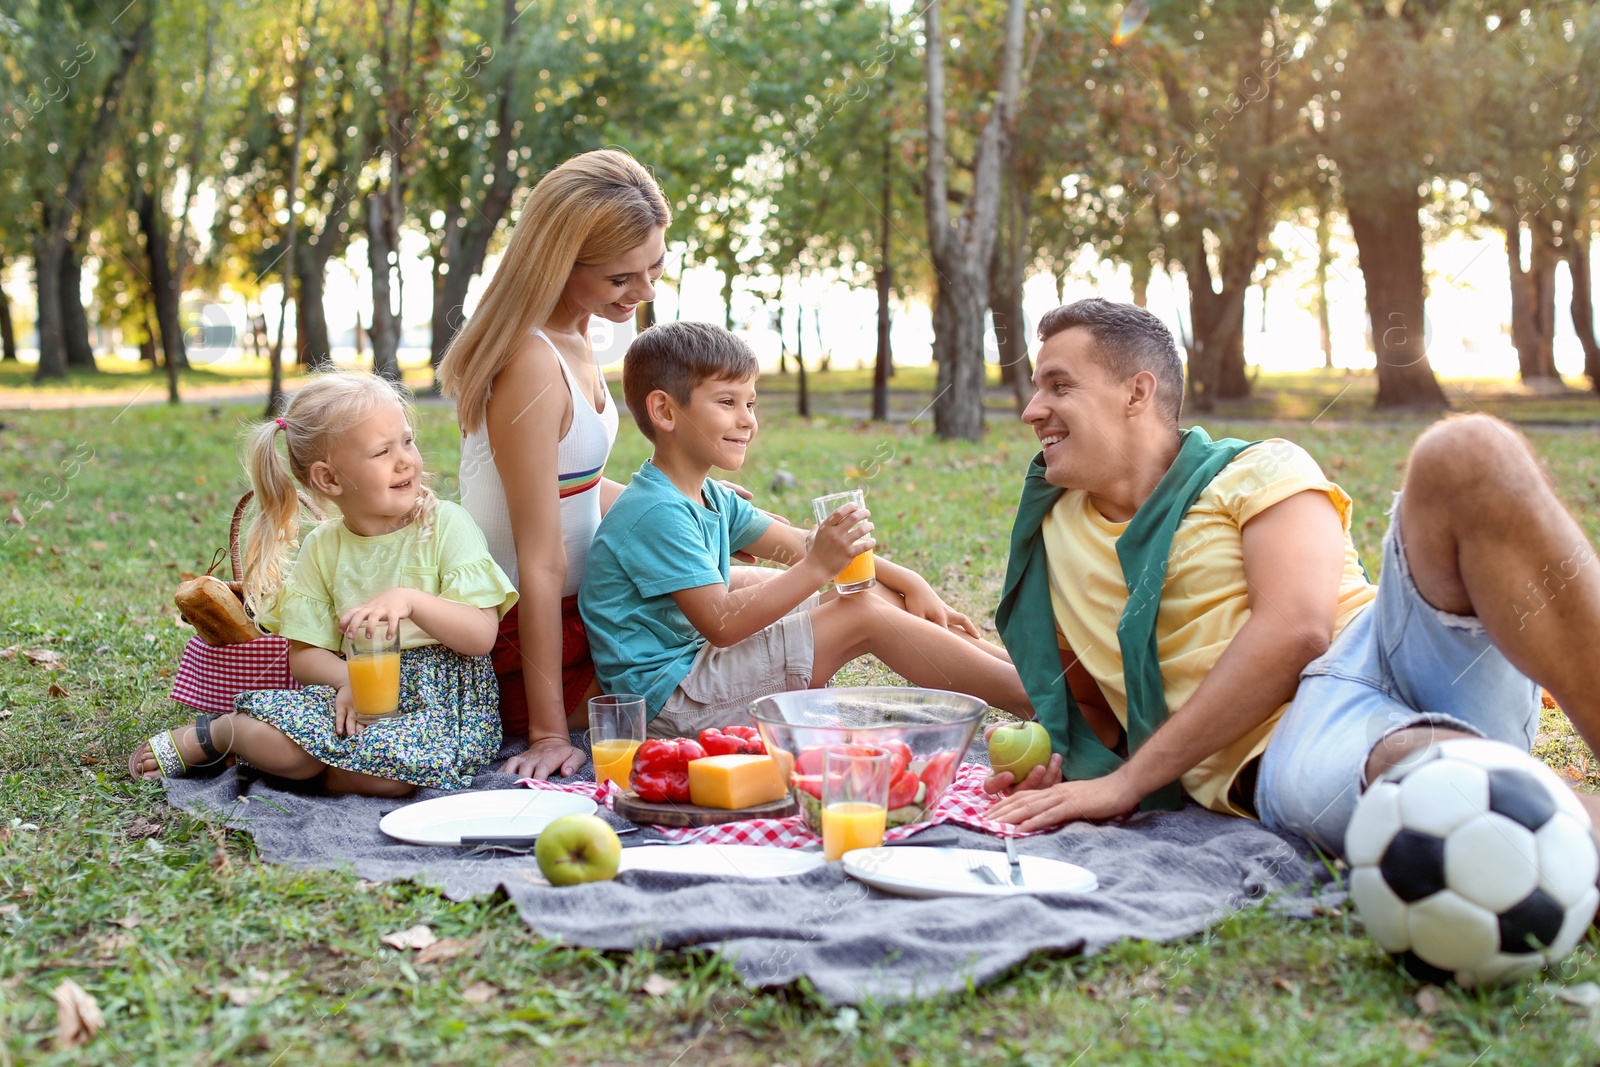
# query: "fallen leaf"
[[411, 937], [1418, 1037], [115, 945], [8, 910], [1428, 1000], [15, 518], [48, 658], [57, 691], [242, 996], [127, 922], [480, 993], [141, 828], [78, 1017], [5, 713], [9, 652], [1284, 984], [659, 985], [98, 546], [448, 949]]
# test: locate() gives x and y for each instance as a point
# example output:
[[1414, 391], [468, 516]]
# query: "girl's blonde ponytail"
[[275, 530]]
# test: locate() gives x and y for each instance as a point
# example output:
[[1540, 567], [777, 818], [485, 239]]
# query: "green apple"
[[1019, 748], [578, 848]]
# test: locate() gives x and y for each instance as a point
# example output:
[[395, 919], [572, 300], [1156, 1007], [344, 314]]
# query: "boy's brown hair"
[[675, 357]]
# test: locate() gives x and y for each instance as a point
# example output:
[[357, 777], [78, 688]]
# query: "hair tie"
[[281, 424]]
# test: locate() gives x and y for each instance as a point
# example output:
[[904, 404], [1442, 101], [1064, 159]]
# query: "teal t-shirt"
[[653, 542]]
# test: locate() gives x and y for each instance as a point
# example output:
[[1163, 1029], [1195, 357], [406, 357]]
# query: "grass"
[[222, 958]]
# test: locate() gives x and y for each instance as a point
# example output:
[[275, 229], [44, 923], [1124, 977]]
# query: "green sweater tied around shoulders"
[[1026, 619]]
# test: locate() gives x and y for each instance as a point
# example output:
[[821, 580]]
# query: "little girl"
[[397, 559]]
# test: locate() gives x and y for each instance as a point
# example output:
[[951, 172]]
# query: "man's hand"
[[1045, 809], [380, 614], [924, 603], [345, 723], [546, 757]]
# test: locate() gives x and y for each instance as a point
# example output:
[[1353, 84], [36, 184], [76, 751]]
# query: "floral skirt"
[[448, 729]]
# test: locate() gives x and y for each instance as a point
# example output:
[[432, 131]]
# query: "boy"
[[664, 620]]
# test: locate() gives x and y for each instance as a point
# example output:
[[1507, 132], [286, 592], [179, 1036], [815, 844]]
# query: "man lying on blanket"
[[1200, 605]]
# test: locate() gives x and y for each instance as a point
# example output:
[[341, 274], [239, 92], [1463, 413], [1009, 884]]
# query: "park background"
[[1354, 214]]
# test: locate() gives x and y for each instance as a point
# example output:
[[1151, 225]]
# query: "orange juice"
[[613, 760], [850, 825], [375, 683], [860, 574]]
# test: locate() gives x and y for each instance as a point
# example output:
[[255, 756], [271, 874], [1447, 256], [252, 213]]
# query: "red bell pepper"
[[661, 769], [732, 741]]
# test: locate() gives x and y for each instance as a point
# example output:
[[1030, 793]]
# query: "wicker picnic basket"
[[229, 654]]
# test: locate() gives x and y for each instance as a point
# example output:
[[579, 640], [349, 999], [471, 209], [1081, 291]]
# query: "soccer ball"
[[1473, 864]]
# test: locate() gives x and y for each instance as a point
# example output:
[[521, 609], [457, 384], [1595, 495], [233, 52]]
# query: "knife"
[[523, 842], [1016, 864]]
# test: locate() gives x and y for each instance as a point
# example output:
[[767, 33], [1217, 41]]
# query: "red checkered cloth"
[[210, 677], [964, 803]]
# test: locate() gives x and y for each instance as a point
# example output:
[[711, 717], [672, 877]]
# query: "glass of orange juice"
[[374, 665], [616, 730], [855, 798], [862, 573]]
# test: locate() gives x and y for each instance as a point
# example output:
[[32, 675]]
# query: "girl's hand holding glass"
[[387, 610]]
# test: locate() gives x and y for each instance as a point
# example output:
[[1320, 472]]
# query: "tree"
[[961, 248], [1384, 129], [66, 137], [288, 257]]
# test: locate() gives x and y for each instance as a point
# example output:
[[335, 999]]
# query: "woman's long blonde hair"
[[315, 416], [592, 208]]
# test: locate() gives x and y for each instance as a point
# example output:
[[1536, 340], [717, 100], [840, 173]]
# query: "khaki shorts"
[[718, 689]]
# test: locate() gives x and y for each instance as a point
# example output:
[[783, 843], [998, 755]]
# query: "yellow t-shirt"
[[1204, 599], [338, 569]]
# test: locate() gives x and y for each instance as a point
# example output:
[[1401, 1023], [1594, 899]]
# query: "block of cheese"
[[731, 782]]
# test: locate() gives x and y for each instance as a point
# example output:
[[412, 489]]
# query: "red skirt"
[[577, 669]]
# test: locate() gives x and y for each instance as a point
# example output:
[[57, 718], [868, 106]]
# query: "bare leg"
[[918, 650], [893, 599], [1485, 535], [264, 747], [366, 785]]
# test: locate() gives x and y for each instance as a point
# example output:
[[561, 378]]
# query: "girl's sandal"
[[169, 759]]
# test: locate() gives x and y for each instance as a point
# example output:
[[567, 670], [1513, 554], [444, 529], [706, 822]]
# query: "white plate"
[[486, 813], [727, 861], [942, 872]]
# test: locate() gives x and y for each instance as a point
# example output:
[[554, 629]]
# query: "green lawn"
[[219, 958]]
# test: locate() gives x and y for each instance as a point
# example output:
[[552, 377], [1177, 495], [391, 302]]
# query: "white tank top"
[[580, 459]]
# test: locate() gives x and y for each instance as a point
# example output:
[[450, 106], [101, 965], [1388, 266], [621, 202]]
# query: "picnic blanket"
[[1163, 876]]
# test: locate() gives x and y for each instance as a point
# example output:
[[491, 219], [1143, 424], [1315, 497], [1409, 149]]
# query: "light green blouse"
[[338, 570]]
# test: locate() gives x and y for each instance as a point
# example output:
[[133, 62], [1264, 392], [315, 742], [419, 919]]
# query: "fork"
[[983, 872], [704, 831]]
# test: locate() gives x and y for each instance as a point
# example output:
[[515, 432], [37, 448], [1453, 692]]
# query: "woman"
[[538, 425]]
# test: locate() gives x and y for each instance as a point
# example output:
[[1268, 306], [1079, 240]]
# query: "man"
[[1254, 663]]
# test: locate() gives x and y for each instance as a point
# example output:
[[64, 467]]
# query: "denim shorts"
[[1400, 663]]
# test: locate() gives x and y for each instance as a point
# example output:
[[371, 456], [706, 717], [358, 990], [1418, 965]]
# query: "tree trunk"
[[1324, 262], [466, 236], [8, 336], [727, 295], [289, 259], [1582, 302], [1005, 302], [1532, 294], [163, 286], [1388, 234], [147, 343], [360, 341], [50, 243], [644, 316], [74, 322], [313, 348], [803, 404], [180, 236], [385, 332], [885, 279], [1141, 269], [961, 249]]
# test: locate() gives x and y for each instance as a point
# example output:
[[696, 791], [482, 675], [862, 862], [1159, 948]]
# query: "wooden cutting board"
[[630, 807]]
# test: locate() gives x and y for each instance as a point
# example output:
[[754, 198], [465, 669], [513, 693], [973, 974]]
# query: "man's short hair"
[[675, 357], [1127, 340]]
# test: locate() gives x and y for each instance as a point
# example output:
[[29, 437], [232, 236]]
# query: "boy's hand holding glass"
[[842, 542]]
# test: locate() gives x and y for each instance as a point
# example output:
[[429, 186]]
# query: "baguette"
[[215, 612]]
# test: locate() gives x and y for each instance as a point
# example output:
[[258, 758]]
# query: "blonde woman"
[[395, 560], [538, 425]]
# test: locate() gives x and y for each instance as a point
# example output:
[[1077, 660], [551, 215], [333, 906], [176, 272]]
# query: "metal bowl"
[[937, 726]]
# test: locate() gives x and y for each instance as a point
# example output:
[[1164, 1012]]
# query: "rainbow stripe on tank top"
[[574, 484]]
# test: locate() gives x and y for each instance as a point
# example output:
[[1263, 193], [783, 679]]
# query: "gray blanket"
[[1162, 877]]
